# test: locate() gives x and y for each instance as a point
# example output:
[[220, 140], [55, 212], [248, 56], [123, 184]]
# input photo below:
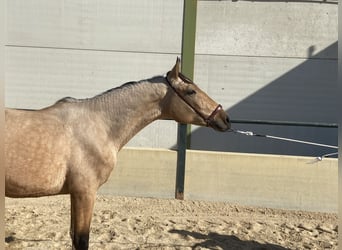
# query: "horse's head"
[[187, 103]]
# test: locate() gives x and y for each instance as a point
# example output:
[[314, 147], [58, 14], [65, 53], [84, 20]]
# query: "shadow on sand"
[[214, 240]]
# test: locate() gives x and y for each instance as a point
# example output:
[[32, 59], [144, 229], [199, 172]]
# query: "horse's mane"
[[67, 99], [121, 87], [127, 85]]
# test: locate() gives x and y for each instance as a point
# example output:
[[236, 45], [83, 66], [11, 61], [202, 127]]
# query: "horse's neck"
[[128, 110]]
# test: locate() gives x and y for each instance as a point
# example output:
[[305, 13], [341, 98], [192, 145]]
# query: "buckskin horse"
[[71, 147]]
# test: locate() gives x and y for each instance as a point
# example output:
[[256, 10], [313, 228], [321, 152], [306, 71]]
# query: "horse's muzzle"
[[221, 122]]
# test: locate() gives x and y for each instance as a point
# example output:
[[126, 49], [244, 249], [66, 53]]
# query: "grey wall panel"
[[36, 78], [159, 134], [266, 88], [275, 28], [268, 61], [251, 56], [149, 26]]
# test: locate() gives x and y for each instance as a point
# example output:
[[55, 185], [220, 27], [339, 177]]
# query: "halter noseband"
[[208, 119]]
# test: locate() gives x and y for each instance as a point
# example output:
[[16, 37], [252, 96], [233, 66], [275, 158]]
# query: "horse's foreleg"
[[81, 212]]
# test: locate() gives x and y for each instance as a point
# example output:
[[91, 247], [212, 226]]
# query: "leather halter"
[[208, 119]]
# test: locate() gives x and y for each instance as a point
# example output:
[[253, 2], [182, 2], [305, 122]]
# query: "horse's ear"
[[173, 74]]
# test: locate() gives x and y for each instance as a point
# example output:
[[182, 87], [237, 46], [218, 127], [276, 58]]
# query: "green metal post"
[[187, 64]]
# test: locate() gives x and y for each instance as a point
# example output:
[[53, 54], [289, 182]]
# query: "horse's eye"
[[190, 92]]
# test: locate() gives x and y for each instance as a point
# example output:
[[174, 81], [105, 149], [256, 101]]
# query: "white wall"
[[82, 48], [287, 182], [269, 60], [261, 59]]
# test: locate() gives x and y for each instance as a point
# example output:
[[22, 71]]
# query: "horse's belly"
[[17, 188], [36, 157], [27, 183], [27, 177]]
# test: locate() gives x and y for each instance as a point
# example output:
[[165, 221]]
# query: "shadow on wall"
[[307, 93]]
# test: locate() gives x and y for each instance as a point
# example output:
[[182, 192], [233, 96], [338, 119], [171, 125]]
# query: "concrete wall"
[[286, 182], [272, 60], [269, 60], [82, 48], [261, 59]]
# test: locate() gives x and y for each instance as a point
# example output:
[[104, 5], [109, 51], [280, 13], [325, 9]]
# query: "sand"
[[146, 223]]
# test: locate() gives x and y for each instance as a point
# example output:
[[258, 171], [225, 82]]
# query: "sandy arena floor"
[[143, 223]]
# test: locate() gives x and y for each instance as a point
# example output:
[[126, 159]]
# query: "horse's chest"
[[93, 162]]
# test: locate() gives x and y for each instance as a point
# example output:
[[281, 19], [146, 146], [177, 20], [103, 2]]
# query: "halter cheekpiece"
[[208, 119]]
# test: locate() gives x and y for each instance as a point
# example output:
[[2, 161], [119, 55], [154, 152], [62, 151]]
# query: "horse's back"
[[37, 148]]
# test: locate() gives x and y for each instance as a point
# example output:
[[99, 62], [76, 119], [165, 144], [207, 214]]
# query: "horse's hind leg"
[[82, 205]]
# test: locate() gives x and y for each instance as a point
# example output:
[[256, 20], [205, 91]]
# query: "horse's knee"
[[81, 242]]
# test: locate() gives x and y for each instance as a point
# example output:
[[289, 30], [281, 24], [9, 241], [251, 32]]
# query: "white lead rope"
[[303, 142], [250, 133]]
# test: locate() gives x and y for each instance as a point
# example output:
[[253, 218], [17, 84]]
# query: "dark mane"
[[185, 79], [67, 99], [125, 85], [154, 79], [121, 87]]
